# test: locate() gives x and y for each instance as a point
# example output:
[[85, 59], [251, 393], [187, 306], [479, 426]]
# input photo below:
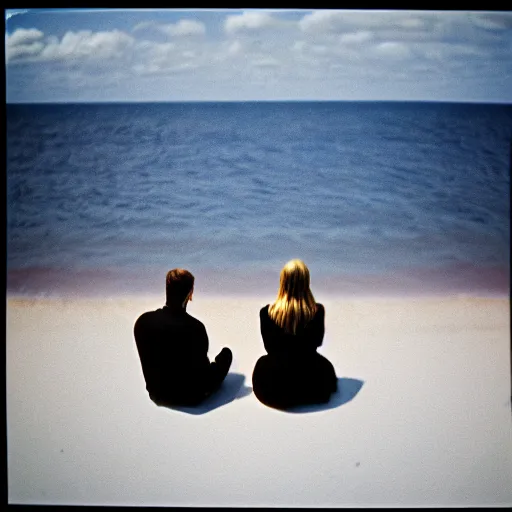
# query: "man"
[[173, 348]]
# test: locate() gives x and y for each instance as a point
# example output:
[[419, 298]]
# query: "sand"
[[423, 417]]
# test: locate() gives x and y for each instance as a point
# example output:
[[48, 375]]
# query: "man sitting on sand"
[[173, 348]]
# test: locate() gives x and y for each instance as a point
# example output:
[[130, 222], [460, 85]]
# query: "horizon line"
[[376, 100]]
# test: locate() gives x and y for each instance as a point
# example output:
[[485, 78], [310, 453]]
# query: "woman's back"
[[292, 328], [307, 338]]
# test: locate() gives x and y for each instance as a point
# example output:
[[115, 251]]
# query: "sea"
[[377, 198]]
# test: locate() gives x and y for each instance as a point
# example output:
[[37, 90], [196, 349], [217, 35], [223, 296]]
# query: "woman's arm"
[[318, 327]]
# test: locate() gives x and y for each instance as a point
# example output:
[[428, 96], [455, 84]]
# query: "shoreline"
[[207, 295], [461, 279]]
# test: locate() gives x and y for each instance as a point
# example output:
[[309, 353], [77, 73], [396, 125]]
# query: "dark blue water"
[[374, 196]]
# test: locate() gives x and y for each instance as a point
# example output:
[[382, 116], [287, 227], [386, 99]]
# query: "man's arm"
[[204, 342], [141, 332], [197, 345]]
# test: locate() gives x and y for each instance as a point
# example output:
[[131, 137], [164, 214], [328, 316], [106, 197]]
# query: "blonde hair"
[[295, 304]]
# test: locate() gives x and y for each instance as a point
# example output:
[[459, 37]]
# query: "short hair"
[[178, 284]]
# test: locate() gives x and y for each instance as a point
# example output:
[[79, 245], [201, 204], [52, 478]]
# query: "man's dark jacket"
[[173, 348]]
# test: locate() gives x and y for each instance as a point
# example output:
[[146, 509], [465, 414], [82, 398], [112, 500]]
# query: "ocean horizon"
[[287, 100]]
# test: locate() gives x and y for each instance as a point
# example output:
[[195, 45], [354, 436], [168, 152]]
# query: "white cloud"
[[344, 21], [144, 25], [146, 69], [321, 49], [323, 21], [249, 21], [327, 55], [151, 58], [227, 51], [393, 49], [24, 36], [84, 43], [9, 13], [29, 45], [492, 20], [23, 43], [235, 48], [183, 28], [266, 62], [24, 50], [417, 22], [448, 53], [412, 23], [298, 46], [356, 37], [159, 55], [318, 47], [383, 24]]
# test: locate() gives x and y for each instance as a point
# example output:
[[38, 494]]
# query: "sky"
[[96, 55]]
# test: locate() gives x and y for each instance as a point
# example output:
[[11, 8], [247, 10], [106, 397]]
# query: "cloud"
[[393, 49], [105, 47], [152, 58], [84, 43], [155, 57], [183, 28], [266, 62], [323, 21], [449, 53], [492, 20], [249, 21], [318, 46], [328, 54], [235, 48], [356, 37], [298, 46], [24, 36], [25, 50], [144, 25], [28, 44], [23, 43], [9, 13], [406, 23], [73, 45]]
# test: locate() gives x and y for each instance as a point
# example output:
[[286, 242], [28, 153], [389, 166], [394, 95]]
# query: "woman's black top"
[[304, 342]]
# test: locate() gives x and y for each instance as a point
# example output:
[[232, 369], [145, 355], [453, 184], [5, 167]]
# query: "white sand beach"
[[423, 416]]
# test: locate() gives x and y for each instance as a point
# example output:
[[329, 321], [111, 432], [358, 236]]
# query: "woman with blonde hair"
[[292, 328]]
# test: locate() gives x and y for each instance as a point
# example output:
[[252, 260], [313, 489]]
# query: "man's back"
[[173, 348]]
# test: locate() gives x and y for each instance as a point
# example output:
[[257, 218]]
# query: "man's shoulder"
[[152, 313], [192, 320], [162, 316], [148, 316]]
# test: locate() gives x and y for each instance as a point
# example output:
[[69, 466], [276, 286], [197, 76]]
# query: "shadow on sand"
[[232, 388], [347, 390]]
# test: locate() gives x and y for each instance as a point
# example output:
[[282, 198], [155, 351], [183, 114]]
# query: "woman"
[[292, 328]]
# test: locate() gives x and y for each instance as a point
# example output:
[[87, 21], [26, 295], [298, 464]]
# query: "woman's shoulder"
[[320, 311], [264, 310]]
